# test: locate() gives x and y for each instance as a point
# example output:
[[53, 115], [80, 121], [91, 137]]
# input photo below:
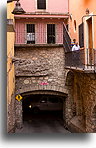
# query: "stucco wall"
[[77, 9], [54, 6], [40, 30], [10, 74]]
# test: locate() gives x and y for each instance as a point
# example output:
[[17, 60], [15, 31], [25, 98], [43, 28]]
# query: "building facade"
[[83, 67], [10, 69], [39, 53], [45, 64]]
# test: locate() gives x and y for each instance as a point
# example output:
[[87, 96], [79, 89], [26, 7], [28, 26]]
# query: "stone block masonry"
[[11, 115], [39, 68], [84, 98], [87, 84]]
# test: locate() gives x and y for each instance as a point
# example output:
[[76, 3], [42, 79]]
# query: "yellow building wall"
[[77, 9], [10, 73], [10, 54]]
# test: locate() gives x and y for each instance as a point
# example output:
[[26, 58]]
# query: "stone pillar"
[[19, 117]]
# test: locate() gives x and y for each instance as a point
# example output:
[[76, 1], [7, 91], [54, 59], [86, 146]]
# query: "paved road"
[[43, 123]]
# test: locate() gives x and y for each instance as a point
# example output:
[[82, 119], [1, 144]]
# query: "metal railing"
[[38, 38], [66, 39], [84, 59]]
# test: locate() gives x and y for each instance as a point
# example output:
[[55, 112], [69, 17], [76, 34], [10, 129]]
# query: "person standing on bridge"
[[76, 47], [76, 55], [73, 43]]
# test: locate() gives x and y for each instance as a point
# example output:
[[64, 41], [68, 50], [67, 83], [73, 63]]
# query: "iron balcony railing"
[[66, 39], [84, 59], [38, 38]]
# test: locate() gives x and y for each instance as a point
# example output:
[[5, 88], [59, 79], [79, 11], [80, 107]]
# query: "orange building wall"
[[77, 9]]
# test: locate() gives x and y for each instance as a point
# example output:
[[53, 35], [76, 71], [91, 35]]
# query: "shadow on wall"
[[69, 79]]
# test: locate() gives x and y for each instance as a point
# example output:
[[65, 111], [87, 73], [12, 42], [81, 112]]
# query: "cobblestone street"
[[43, 123]]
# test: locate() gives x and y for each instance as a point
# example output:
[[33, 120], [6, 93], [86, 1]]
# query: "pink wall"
[[58, 7], [40, 30], [54, 6]]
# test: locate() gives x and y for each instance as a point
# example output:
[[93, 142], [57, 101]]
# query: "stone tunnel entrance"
[[43, 111]]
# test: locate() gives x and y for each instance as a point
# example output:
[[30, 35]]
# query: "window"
[[51, 33], [41, 4], [81, 35], [30, 33]]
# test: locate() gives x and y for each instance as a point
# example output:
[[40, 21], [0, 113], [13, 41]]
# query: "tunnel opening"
[[43, 113], [39, 104]]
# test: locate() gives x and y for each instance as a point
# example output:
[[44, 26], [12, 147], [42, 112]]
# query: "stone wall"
[[39, 68], [84, 99], [11, 115], [70, 98], [87, 84], [42, 68]]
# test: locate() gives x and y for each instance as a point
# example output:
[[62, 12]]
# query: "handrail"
[[66, 29], [66, 39], [83, 58]]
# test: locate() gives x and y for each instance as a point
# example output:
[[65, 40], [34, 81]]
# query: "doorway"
[[90, 41]]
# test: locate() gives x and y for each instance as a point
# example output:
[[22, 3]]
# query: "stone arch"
[[41, 88], [19, 108], [48, 92]]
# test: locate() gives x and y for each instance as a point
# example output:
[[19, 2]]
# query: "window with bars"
[[41, 4], [30, 33], [51, 33]]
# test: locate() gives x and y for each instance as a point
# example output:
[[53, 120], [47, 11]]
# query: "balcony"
[[38, 38], [83, 60]]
